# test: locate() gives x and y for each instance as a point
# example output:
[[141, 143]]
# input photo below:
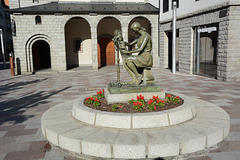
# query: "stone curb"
[[136, 120]]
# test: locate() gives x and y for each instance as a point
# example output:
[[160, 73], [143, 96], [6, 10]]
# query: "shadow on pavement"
[[13, 110]]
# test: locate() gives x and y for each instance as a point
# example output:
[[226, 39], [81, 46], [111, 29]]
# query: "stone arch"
[[105, 33], [77, 30], [67, 18], [29, 49], [145, 23]]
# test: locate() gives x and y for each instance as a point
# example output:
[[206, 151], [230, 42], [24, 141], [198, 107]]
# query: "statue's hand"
[[124, 52]]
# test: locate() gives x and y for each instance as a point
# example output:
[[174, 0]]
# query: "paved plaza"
[[24, 98]]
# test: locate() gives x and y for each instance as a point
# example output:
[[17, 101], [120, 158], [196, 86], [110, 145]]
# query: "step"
[[210, 126]]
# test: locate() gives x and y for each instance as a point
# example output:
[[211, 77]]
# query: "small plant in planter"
[[176, 99], [100, 94], [131, 101], [141, 99], [160, 103], [137, 106], [169, 98], [96, 103], [116, 106], [89, 100], [151, 105]]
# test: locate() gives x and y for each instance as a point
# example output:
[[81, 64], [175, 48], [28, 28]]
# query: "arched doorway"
[[41, 55], [78, 43], [106, 52], [106, 49]]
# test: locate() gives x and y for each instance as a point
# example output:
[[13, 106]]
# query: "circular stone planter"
[[210, 126], [165, 118]]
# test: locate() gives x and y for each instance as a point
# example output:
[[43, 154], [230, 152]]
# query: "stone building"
[[63, 34], [5, 25], [207, 41]]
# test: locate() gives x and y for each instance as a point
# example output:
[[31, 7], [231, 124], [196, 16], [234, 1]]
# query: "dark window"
[[35, 1], [197, 0], [165, 5], [38, 20]]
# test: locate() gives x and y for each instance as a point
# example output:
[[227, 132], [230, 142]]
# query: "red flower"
[[140, 97], [87, 99], [103, 90], [169, 95], [150, 101], [100, 92], [91, 98], [177, 97], [120, 106], [155, 98], [135, 103], [96, 100], [155, 108]]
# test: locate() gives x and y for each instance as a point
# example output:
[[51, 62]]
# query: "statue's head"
[[135, 27], [117, 32]]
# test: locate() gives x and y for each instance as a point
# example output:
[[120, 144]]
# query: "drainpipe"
[[174, 38], [159, 18]]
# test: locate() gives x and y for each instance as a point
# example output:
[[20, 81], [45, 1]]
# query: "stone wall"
[[228, 19], [52, 31], [233, 46], [26, 3]]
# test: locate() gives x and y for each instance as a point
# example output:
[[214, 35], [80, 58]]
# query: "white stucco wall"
[[189, 6]]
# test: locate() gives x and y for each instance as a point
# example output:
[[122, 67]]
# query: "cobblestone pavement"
[[24, 98]]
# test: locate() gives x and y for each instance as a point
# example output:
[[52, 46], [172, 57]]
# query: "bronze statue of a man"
[[143, 59]]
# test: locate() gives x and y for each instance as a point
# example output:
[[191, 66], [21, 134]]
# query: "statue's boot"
[[135, 82]]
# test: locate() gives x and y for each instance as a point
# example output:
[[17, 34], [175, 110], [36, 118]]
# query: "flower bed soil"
[[128, 108]]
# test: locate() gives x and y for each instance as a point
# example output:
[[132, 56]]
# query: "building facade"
[[206, 40], [5, 26], [61, 35]]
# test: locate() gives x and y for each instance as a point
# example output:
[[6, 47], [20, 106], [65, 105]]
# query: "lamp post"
[[174, 38], [2, 45]]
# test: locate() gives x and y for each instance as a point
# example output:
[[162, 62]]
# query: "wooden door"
[[106, 52], [110, 53]]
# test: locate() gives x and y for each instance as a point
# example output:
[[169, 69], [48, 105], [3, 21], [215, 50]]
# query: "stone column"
[[228, 46], [94, 46], [163, 48], [186, 50], [124, 29], [154, 36]]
